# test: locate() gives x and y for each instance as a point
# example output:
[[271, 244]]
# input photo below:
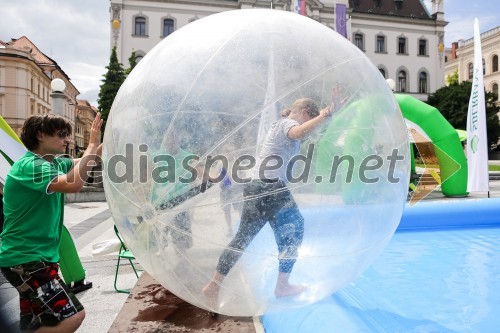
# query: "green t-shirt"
[[33, 217]]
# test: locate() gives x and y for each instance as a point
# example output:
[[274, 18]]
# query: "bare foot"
[[285, 290], [211, 293]]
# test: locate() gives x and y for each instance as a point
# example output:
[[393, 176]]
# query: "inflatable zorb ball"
[[200, 104]]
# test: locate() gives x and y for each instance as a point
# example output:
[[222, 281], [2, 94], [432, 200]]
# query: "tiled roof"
[[403, 8], [83, 102], [24, 44], [41, 59]]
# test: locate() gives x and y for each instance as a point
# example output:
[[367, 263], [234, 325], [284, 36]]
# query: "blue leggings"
[[266, 202]]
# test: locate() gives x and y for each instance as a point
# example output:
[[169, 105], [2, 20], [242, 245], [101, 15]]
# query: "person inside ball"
[[171, 155], [268, 199]]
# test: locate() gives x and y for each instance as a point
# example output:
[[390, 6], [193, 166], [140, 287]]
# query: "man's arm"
[[74, 180]]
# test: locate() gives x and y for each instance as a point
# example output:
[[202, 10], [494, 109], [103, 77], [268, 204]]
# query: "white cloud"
[[87, 79], [462, 27], [73, 33]]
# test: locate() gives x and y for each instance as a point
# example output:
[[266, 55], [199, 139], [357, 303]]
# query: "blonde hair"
[[306, 104]]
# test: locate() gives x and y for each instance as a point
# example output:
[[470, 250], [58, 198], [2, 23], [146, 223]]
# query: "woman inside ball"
[[268, 199]]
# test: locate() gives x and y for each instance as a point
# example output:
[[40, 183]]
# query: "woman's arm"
[[299, 131]]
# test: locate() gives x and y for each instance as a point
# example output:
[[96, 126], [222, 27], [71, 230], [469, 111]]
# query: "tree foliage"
[[112, 82], [132, 61], [453, 103], [452, 78]]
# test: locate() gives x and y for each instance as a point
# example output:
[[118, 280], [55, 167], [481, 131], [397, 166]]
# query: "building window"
[[471, 71], [422, 47], [382, 71], [139, 54], [495, 90], [401, 45], [380, 47], [168, 27], [484, 67], [422, 83], [358, 41], [402, 81], [140, 26], [494, 64]]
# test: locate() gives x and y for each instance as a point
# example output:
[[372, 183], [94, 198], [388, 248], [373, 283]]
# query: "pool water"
[[440, 280]]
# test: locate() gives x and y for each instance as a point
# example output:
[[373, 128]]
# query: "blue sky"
[[461, 13], [75, 33]]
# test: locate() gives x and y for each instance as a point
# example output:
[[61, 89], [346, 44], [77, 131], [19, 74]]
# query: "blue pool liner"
[[451, 213], [460, 288]]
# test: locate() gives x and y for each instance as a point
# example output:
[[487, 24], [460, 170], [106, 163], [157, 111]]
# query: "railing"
[[462, 43]]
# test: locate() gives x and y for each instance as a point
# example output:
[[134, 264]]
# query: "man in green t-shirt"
[[34, 214]]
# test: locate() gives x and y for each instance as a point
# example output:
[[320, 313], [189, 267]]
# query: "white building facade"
[[378, 27], [460, 59], [403, 40]]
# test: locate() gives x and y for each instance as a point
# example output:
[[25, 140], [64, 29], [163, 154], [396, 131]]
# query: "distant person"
[[169, 191], [267, 195], [34, 216]]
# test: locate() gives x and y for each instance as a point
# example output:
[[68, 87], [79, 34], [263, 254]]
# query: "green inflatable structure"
[[448, 148]]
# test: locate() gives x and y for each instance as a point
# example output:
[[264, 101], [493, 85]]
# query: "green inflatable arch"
[[449, 152]]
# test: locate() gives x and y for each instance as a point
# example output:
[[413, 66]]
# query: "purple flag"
[[341, 28]]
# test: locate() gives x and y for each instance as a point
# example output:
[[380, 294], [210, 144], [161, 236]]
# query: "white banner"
[[9, 148], [477, 147]]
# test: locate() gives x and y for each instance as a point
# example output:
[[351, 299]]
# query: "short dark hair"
[[47, 124]]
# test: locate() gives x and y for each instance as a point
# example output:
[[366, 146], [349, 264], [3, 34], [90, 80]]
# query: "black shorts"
[[45, 300]]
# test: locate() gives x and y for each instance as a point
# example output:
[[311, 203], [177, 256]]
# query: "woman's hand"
[[327, 112]]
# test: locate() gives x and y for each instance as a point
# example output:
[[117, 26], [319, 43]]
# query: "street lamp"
[[58, 85], [391, 84], [58, 97]]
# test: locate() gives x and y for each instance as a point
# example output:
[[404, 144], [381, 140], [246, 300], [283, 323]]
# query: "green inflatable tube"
[[351, 126], [449, 151]]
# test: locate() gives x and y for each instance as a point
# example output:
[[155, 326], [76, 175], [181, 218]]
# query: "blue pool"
[[439, 273]]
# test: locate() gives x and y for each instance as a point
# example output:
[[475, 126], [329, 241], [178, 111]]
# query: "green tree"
[[453, 103], [452, 78], [112, 82], [132, 61]]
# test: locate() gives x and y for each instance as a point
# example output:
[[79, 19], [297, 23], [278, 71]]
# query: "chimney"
[[454, 47]]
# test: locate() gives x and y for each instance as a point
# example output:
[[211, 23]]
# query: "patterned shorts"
[[45, 300]]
